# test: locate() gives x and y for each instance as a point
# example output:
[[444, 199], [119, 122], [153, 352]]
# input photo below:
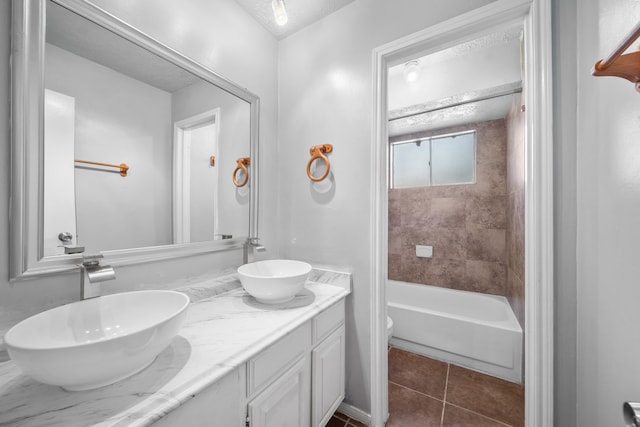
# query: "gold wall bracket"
[[626, 66]]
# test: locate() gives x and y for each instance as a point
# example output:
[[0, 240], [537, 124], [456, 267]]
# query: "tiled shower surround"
[[476, 230], [515, 209]]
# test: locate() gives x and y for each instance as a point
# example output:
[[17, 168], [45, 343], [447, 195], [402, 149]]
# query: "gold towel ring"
[[242, 162], [317, 152]]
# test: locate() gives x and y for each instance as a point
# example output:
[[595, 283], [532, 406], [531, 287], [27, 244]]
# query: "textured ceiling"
[[490, 67], [301, 13], [498, 38], [472, 112], [75, 34]]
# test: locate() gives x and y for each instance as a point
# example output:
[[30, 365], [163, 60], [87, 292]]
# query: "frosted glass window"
[[410, 164], [437, 160], [453, 159]]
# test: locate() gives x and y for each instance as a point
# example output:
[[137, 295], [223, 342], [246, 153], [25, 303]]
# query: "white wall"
[[326, 97], [608, 227], [217, 34]]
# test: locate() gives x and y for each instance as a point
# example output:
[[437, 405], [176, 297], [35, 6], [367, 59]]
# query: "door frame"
[[538, 348], [181, 179]]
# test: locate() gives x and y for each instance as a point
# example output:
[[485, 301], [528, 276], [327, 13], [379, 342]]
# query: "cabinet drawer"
[[269, 364], [327, 321]]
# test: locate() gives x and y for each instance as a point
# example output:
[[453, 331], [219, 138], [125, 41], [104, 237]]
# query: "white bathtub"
[[470, 329]]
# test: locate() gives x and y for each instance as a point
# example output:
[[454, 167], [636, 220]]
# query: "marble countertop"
[[224, 328]]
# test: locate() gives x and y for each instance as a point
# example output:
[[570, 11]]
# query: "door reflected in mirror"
[[112, 102]]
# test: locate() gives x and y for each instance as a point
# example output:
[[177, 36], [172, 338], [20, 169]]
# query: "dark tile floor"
[[341, 420], [426, 392]]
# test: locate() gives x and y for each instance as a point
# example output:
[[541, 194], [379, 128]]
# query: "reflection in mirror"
[[121, 145], [132, 107]]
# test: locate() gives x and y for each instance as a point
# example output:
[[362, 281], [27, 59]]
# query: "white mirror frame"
[[27, 144], [536, 16]]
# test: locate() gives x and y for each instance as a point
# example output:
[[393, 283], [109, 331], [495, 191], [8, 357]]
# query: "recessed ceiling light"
[[279, 12], [412, 71]]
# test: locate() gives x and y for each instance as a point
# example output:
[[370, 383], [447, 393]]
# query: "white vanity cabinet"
[[279, 379], [305, 371], [328, 363], [285, 403], [298, 381], [327, 377], [221, 404]]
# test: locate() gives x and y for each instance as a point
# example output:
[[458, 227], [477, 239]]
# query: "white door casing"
[[59, 171], [182, 147]]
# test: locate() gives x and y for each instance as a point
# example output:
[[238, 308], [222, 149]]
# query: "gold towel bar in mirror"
[[122, 166], [318, 152], [242, 162]]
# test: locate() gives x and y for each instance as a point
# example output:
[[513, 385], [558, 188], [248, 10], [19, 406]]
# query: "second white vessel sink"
[[274, 281], [99, 341]]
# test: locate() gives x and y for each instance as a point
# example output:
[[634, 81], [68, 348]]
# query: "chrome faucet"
[[251, 245], [92, 274]]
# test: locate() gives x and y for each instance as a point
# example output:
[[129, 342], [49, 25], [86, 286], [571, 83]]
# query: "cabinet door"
[[328, 361], [286, 402]]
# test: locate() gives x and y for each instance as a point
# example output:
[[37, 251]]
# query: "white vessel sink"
[[99, 341], [274, 281]]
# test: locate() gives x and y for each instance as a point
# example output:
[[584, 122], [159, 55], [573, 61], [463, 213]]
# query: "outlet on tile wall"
[[424, 251]]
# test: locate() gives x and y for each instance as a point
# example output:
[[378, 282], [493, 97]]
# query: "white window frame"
[[429, 139]]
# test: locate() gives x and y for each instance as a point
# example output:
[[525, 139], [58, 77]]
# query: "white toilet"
[[389, 328]]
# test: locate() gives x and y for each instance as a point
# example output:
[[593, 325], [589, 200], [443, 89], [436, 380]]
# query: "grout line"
[[341, 416], [446, 383], [444, 398], [416, 391], [482, 415]]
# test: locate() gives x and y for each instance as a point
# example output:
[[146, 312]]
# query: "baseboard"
[[355, 413]]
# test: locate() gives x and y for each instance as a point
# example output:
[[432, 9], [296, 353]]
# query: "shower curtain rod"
[[482, 95]]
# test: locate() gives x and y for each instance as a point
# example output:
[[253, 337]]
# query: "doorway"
[[195, 207], [533, 15]]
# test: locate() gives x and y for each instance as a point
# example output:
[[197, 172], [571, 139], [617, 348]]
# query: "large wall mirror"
[[122, 145]]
